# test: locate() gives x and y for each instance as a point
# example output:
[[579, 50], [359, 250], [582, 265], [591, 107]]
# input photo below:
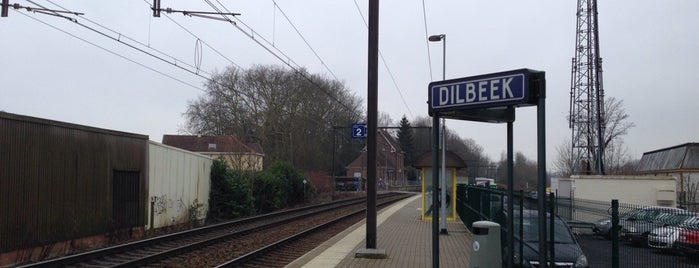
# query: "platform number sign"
[[358, 131]]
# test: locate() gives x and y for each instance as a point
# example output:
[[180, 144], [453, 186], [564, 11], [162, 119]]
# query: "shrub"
[[230, 195]]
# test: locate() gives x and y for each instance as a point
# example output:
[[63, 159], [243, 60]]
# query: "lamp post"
[[443, 194]]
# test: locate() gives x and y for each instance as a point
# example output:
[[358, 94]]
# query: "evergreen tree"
[[230, 195], [405, 139]]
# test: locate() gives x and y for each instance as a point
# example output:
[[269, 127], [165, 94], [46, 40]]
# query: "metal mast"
[[586, 117]]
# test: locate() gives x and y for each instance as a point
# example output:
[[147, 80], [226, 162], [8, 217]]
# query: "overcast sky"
[[56, 69]]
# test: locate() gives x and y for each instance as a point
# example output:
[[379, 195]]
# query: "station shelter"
[[424, 165]]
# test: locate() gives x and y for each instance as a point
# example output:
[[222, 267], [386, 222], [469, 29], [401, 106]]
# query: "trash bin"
[[485, 248]]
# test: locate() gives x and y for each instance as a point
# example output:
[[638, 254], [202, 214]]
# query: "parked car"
[[664, 237], [688, 242], [603, 227], [636, 230], [567, 250]]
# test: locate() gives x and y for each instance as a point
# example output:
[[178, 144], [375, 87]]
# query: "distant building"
[[681, 162], [238, 155], [389, 161]]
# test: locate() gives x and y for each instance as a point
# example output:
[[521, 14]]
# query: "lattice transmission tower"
[[586, 118]]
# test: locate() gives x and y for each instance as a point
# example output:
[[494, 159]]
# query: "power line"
[[211, 80], [255, 37], [297, 69], [385, 64], [304, 40], [195, 36], [118, 39], [150, 54], [114, 53], [147, 53], [427, 42], [204, 42], [175, 61]]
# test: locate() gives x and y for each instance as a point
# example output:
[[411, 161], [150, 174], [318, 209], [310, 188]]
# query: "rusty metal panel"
[[56, 179]]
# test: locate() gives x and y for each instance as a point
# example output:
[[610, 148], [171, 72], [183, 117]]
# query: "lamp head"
[[436, 38]]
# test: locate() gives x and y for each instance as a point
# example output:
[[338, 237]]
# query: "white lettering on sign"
[[470, 92], [443, 95], [494, 89], [480, 91], [506, 87]]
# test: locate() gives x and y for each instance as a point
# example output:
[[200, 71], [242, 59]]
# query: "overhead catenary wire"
[[196, 72], [212, 88], [427, 42], [288, 62], [203, 42], [120, 38], [217, 90], [304, 40], [149, 54], [385, 64], [114, 53], [257, 37]]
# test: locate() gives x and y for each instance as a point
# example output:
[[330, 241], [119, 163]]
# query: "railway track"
[[288, 249], [215, 244]]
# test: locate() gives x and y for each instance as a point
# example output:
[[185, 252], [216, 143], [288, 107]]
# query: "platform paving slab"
[[406, 240]]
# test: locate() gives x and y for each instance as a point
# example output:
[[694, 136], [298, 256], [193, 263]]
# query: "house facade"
[[389, 162], [237, 154]]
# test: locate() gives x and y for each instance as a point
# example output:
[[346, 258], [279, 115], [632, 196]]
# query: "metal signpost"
[[493, 98]]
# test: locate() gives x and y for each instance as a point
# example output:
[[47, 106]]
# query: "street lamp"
[[443, 38], [443, 209]]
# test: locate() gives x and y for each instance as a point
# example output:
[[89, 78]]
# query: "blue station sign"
[[510, 88], [359, 131]]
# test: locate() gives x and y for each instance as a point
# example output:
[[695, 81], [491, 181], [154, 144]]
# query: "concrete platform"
[[405, 239]]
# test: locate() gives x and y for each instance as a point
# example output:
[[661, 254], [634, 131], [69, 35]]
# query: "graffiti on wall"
[[162, 203], [159, 204]]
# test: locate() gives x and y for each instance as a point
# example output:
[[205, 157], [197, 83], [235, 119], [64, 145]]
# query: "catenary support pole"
[[372, 96]]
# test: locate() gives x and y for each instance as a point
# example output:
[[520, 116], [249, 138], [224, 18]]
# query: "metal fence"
[[476, 203], [646, 236]]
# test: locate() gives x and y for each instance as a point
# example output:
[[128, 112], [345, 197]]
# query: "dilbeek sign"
[[510, 88]]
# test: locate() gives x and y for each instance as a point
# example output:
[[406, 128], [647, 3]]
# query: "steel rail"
[[146, 245], [239, 261]]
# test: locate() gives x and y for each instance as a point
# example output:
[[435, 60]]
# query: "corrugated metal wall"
[[178, 181], [56, 179]]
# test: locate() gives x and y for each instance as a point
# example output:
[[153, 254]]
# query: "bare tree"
[[616, 123], [384, 120], [525, 172], [563, 163], [691, 187], [289, 113], [616, 156]]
